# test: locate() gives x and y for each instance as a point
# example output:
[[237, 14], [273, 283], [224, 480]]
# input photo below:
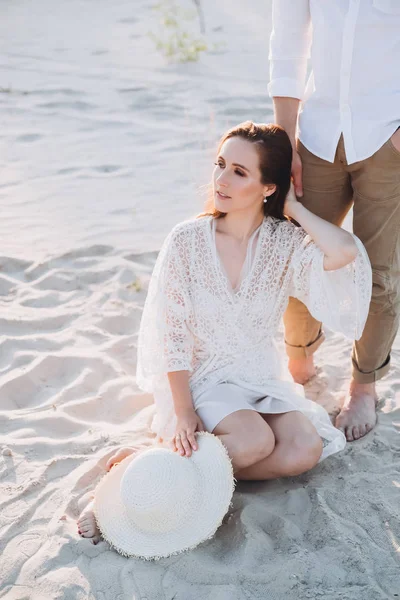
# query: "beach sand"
[[103, 154]]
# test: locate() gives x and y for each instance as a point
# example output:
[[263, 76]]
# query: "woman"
[[206, 347], [220, 286]]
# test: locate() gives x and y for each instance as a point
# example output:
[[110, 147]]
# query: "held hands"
[[184, 439], [297, 172], [291, 203]]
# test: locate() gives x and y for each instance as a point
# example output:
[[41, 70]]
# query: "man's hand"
[[291, 203], [286, 112], [297, 173]]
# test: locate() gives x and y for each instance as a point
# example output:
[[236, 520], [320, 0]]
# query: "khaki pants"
[[330, 189]]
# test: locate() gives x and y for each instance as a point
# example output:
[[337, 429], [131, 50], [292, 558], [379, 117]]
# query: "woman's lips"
[[223, 197]]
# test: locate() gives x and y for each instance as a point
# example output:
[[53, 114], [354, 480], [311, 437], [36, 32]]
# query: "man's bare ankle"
[[302, 369], [304, 360], [357, 387]]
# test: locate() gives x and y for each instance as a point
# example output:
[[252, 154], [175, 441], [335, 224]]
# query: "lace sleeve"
[[165, 342], [339, 298]]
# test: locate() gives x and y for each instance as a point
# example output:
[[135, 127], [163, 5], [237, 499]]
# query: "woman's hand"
[[118, 456], [184, 439], [291, 203]]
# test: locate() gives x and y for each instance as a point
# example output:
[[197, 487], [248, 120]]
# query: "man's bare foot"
[[118, 456], [87, 526], [358, 414], [302, 369]]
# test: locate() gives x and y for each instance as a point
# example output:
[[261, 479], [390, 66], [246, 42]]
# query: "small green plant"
[[175, 40], [135, 285]]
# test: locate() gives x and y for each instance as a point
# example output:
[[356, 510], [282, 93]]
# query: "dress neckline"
[[248, 264]]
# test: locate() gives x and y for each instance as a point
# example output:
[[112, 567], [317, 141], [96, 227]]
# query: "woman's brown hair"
[[275, 154]]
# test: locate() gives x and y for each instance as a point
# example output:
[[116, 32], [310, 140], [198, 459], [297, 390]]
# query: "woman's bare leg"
[[87, 526], [298, 447], [247, 437]]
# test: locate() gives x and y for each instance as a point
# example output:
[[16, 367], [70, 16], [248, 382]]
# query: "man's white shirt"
[[354, 84]]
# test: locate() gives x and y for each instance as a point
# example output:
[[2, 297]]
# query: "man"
[[344, 127]]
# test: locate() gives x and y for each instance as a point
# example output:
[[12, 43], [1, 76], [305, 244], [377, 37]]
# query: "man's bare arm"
[[286, 112]]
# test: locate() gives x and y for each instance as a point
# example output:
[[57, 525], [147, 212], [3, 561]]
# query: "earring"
[[265, 199]]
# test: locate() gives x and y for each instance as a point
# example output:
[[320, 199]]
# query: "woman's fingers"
[[178, 444], [118, 457], [186, 444], [111, 461], [181, 443], [185, 441], [192, 441]]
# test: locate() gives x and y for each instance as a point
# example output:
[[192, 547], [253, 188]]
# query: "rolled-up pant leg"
[[327, 192], [376, 185]]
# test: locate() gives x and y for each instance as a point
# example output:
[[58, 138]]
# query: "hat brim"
[[215, 471]]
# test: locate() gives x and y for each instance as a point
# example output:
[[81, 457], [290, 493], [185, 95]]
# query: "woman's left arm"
[[337, 244]]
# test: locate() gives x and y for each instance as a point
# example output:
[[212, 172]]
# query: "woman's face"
[[237, 177]]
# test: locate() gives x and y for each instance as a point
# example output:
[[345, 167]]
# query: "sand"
[[105, 147]]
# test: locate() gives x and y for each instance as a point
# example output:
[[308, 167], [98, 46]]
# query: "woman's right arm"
[[187, 419], [181, 394]]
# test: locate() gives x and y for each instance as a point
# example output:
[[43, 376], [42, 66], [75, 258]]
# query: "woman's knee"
[[303, 453], [250, 438]]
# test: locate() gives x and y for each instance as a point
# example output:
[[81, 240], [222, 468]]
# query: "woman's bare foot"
[[87, 526], [118, 456], [302, 369], [358, 414]]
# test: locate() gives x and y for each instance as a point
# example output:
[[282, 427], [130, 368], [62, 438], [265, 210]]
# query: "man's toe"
[[356, 432], [349, 434], [362, 430]]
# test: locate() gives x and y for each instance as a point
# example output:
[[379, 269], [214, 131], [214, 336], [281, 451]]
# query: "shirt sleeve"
[[290, 45], [339, 298], [165, 342]]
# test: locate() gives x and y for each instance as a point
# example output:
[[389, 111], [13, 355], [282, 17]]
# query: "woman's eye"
[[221, 166]]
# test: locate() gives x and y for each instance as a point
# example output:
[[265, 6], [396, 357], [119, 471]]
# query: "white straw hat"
[[159, 503]]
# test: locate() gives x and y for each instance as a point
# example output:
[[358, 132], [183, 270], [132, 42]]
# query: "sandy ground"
[[105, 148]]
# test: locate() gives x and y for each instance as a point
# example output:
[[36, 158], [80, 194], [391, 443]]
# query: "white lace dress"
[[193, 320]]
